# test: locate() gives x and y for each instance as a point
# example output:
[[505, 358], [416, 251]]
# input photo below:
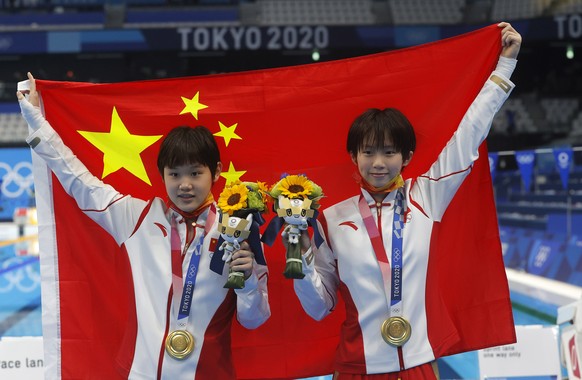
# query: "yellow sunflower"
[[295, 186], [233, 198]]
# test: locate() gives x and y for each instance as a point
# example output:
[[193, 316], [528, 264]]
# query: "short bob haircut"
[[186, 145], [375, 126]]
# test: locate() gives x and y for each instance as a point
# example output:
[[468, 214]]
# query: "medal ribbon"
[[397, 229], [183, 291], [392, 276]]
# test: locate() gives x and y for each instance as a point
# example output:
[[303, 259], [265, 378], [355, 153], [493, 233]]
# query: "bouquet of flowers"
[[296, 199], [241, 205]]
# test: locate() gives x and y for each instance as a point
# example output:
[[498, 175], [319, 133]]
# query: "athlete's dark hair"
[[187, 145]]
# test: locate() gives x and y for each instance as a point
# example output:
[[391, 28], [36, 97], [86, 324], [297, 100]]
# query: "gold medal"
[[396, 331], [179, 344]]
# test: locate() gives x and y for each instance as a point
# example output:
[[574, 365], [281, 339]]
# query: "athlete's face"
[[189, 185], [379, 165]]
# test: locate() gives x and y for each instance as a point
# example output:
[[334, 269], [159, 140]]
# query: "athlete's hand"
[[32, 94], [510, 40], [242, 260]]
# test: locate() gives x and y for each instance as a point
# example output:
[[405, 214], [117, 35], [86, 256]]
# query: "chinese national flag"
[[268, 122]]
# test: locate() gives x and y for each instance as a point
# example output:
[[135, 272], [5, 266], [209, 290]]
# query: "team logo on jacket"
[[407, 216], [163, 228], [349, 223]]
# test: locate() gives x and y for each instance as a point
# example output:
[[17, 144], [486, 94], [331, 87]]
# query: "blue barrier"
[[550, 255]]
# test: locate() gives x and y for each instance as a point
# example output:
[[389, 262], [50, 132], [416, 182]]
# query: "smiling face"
[[378, 165], [381, 143], [188, 185]]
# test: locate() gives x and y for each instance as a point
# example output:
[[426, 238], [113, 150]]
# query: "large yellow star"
[[121, 149], [227, 133], [193, 105], [232, 175]]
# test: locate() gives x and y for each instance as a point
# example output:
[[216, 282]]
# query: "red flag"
[[266, 122]]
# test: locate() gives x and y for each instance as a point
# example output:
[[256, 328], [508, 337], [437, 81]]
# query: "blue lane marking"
[[16, 317]]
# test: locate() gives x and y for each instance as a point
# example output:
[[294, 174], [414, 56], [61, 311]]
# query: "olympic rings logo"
[[396, 254], [16, 180], [526, 158], [25, 278]]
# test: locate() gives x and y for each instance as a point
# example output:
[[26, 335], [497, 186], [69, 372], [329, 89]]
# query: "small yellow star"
[[121, 149], [232, 175], [227, 133], [193, 105]]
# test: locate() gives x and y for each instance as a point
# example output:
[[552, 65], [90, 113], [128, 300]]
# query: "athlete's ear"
[[217, 172]]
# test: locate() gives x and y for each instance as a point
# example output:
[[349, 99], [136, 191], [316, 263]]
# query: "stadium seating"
[[556, 117], [567, 7], [417, 12], [518, 9], [13, 128], [309, 12], [559, 111], [513, 118]]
